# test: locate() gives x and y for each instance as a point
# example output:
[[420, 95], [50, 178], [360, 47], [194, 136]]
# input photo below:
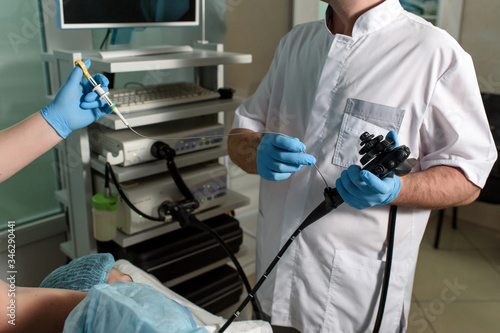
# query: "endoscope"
[[381, 158]]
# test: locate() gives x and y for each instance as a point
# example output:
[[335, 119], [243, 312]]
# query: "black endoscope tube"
[[315, 215], [264, 276], [391, 230], [124, 197], [198, 224], [320, 211]]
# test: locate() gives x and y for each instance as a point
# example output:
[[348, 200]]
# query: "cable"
[[104, 95], [332, 201], [164, 151], [391, 230], [127, 201], [200, 225], [108, 33], [192, 221]]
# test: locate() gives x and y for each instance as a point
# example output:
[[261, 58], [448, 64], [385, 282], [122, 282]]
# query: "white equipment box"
[[207, 182], [125, 148]]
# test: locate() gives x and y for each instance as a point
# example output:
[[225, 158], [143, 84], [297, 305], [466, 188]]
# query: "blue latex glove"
[[278, 156], [76, 105], [361, 189]]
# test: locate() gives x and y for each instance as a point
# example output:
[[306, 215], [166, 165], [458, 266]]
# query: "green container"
[[104, 214]]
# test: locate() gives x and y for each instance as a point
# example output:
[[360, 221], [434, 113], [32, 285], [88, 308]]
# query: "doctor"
[[370, 66]]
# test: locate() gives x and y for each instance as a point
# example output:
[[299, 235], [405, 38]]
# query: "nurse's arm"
[[242, 149], [24, 142], [436, 188]]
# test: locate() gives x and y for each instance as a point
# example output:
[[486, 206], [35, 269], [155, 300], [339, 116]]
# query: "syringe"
[[102, 94]]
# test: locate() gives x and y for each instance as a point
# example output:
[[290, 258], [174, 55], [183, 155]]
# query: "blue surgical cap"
[[129, 307], [82, 273]]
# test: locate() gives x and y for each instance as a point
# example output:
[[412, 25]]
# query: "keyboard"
[[146, 98]]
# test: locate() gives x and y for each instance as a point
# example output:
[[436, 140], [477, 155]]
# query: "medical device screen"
[[93, 14]]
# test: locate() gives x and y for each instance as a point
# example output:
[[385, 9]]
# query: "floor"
[[457, 287]]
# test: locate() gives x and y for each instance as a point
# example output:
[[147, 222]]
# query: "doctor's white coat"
[[397, 72]]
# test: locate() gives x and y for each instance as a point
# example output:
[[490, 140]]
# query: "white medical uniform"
[[397, 72]]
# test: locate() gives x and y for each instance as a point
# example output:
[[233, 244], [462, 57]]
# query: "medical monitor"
[[112, 14]]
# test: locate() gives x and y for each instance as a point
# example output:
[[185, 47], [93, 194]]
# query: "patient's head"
[[85, 272], [115, 276]]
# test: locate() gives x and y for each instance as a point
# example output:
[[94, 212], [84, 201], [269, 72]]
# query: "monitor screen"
[[95, 14]]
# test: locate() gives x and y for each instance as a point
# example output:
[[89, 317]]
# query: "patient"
[[83, 296], [83, 273], [46, 309], [117, 307]]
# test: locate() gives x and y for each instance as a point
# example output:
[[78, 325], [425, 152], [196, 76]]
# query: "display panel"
[[96, 14]]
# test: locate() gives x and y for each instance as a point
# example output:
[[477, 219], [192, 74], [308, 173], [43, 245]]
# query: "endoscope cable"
[[108, 169], [104, 95]]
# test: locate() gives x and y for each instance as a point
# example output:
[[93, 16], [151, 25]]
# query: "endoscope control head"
[[379, 155]]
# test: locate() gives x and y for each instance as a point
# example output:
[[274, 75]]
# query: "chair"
[[491, 191]]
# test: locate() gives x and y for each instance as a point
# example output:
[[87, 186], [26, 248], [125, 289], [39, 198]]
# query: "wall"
[[480, 37], [36, 251], [256, 27], [26, 195]]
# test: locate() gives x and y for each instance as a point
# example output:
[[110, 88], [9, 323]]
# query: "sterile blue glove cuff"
[[56, 121], [395, 191]]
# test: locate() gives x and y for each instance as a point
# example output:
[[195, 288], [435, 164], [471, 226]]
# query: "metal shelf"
[[80, 163], [161, 115], [124, 174], [234, 200], [245, 256], [196, 58]]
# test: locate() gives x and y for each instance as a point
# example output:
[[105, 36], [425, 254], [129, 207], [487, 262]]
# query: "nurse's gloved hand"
[[76, 105], [362, 189], [278, 156]]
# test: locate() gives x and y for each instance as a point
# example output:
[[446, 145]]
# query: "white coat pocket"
[[354, 294], [359, 117]]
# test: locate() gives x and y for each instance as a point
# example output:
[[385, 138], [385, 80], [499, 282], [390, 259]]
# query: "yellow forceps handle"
[[103, 95], [84, 68]]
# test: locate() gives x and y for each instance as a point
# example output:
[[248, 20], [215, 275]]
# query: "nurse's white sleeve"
[[253, 113], [455, 131]]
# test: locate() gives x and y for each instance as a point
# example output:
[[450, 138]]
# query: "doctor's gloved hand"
[[76, 105], [362, 189], [278, 156]]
